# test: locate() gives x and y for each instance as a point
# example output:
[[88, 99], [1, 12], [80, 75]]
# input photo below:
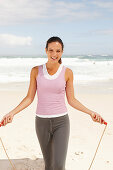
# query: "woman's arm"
[[79, 106], [75, 103], [30, 95], [26, 101]]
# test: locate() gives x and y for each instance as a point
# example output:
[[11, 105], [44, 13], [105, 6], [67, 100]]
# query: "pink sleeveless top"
[[51, 92]]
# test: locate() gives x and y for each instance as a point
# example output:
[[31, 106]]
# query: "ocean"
[[86, 68]]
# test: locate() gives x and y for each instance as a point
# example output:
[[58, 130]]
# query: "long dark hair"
[[55, 39]]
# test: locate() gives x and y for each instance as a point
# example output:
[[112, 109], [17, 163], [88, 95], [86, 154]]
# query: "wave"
[[83, 67]]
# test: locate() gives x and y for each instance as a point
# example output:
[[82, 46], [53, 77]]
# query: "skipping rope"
[[14, 168]]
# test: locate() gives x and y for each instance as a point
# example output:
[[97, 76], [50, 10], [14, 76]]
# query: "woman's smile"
[[54, 58]]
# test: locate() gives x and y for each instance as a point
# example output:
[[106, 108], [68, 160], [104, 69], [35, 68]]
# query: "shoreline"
[[88, 87]]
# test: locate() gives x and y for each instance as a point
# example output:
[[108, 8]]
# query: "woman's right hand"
[[97, 118], [7, 119]]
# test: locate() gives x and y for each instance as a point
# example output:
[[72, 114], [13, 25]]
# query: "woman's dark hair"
[[55, 39]]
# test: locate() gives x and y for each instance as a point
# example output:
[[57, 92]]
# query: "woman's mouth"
[[54, 58]]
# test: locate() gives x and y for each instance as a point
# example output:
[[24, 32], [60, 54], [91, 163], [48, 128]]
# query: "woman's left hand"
[[97, 118]]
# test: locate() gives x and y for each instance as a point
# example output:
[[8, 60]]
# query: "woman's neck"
[[52, 66]]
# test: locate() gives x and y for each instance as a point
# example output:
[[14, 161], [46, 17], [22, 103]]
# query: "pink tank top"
[[51, 92]]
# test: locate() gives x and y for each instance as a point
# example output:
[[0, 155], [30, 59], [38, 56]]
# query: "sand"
[[21, 143]]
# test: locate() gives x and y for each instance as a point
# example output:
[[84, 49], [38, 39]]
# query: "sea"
[[86, 68]]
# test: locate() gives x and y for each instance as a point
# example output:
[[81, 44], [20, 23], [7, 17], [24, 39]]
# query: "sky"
[[85, 26]]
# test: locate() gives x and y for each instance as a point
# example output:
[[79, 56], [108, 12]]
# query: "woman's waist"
[[51, 115], [51, 109]]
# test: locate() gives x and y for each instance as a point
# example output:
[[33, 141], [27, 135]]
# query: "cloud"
[[13, 40], [103, 4], [22, 10], [72, 11], [105, 32], [28, 11]]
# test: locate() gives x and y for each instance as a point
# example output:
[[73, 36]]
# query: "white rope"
[[97, 147], [14, 168], [8, 156]]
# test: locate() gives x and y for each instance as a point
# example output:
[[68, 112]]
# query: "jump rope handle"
[[1, 123], [105, 123]]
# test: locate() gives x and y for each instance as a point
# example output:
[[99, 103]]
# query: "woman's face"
[[54, 52]]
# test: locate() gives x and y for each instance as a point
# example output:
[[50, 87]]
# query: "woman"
[[51, 80]]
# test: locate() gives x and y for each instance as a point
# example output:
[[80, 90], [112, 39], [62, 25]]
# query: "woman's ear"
[[46, 50]]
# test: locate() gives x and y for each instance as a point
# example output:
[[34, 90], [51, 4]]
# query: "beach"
[[79, 36], [20, 140]]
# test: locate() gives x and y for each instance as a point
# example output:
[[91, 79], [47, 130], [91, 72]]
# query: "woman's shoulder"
[[68, 70], [34, 70], [68, 73]]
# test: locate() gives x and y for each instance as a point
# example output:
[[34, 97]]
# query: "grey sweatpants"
[[53, 135]]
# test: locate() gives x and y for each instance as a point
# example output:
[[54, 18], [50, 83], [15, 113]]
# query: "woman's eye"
[[52, 51]]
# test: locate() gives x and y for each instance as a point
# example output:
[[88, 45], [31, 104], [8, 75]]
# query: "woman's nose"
[[54, 53]]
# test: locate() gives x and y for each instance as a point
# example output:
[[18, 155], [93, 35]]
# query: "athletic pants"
[[53, 136]]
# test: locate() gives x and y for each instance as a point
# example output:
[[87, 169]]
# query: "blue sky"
[[85, 26]]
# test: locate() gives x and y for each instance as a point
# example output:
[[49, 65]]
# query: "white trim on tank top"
[[49, 116], [54, 76]]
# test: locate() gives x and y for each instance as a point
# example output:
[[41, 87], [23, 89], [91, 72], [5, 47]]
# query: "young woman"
[[51, 80]]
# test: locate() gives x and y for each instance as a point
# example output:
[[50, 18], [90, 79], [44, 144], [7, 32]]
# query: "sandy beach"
[[21, 143]]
